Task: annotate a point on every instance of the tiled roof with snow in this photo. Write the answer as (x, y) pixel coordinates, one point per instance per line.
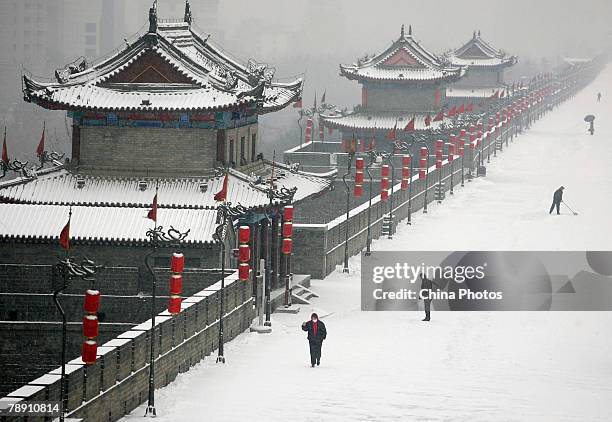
(216, 80)
(473, 92)
(386, 121)
(405, 60)
(101, 224)
(62, 187)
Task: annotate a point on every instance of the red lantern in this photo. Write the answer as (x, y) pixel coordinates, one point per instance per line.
(174, 305)
(244, 234)
(438, 164)
(384, 183)
(92, 301)
(177, 263)
(358, 191)
(424, 152)
(422, 174)
(406, 161)
(359, 164)
(384, 195)
(243, 271)
(287, 246)
(288, 212)
(405, 172)
(461, 151)
(404, 184)
(359, 178)
(176, 284)
(384, 171)
(287, 229)
(462, 134)
(89, 352)
(439, 155)
(423, 163)
(90, 326)
(439, 145)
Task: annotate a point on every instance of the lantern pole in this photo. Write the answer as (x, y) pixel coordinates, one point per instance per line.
(348, 205)
(390, 161)
(228, 215)
(373, 156)
(157, 236)
(69, 270)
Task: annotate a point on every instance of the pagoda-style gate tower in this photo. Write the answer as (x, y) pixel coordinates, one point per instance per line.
(485, 76)
(405, 81)
(169, 102)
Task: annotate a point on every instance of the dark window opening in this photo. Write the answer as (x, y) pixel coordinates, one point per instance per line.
(253, 137)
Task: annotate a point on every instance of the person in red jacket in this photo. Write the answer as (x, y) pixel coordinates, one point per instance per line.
(316, 334)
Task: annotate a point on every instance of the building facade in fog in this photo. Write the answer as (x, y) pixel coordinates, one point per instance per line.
(485, 76)
(404, 85)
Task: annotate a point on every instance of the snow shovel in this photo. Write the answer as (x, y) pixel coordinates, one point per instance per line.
(568, 207)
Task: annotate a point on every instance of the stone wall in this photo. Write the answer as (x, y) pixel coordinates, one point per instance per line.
(118, 382)
(147, 151)
(396, 97)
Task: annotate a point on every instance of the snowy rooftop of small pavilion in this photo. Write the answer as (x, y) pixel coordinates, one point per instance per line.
(478, 52)
(63, 187)
(474, 92)
(405, 60)
(101, 224)
(207, 79)
(386, 121)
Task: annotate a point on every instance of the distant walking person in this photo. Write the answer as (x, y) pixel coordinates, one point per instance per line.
(599, 97)
(316, 334)
(557, 199)
(426, 288)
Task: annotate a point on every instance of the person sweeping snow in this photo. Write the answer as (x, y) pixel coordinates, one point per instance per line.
(557, 199)
(316, 334)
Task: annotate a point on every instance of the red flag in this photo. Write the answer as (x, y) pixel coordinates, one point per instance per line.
(64, 238)
(152, 214)
(5, 158)
(470, 107)
(392, 135)
(41, 145)
(410, 126)
(439, 117)
(452, 111)
(298, 103)
(428, 120)
(222, 194)
(461, 109)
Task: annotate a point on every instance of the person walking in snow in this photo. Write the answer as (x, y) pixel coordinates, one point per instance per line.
(599, 97)
(426, 288)
(316, 334)
(557, 199)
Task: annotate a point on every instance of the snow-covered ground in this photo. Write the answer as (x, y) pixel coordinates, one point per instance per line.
(386, 366)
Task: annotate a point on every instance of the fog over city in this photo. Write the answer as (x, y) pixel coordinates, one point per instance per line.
(303, 38)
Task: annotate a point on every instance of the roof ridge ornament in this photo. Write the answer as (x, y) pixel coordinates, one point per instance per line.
(153, 17)
(188, 15)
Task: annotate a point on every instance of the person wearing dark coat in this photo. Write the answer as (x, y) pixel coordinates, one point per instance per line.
(426, 287)
(557, 199)
(316, 334)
